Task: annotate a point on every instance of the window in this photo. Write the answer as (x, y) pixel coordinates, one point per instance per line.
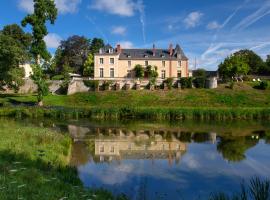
(129, 63)
(112, 149)
(112, 72)
(101, 61)
(179, 74)
(163, 74)
(163, 63)
(111, 60)
(102, 149)
(129, 73)
(146, 63)
(179, 63)
(110, 50)
(101, 72)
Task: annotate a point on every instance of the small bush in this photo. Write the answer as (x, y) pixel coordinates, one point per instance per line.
(199, 82)
(169, 82)
(58, 77)
(231, 85)
(93, 84)
(106, 85)
(186, 82)
(246, 78)
(263, 85)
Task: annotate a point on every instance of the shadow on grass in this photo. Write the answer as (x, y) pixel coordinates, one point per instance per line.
(24, 178)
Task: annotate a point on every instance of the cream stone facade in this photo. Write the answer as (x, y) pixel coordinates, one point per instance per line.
(113, 64)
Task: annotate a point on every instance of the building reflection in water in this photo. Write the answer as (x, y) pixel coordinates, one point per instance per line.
(115, 144)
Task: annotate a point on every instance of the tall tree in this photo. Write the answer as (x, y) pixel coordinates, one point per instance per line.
(96, 44)
(233, 66)
(254, 61)
(44, 10)
(73, 52)
(14, 48)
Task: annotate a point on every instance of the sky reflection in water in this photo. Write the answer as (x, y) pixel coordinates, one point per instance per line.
(168, 164)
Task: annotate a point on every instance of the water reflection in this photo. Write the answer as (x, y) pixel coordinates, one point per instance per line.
(161, 161)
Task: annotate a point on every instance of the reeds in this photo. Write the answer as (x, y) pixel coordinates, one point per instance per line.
(120, 113)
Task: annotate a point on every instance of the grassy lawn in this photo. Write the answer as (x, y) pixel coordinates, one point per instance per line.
(34, 165)
(242, 96)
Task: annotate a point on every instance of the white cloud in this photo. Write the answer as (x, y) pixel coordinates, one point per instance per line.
(119, 30)
(117, 7)
(193, 19)
(126, 44)
(52, 40)
(213, 25)
(26, 5)
(67, 6)
(63, 6)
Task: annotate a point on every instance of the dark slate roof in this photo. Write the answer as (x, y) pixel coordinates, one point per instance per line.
(142, 54)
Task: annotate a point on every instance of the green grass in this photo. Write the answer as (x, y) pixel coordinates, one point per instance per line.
(34, 165)
(243, 102)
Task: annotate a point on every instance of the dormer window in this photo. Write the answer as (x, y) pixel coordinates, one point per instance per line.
(110, 50)
(146, 56)
(129, 56)
(162, 56)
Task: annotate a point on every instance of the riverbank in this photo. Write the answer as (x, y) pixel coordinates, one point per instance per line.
(244, 102)
(34, 165)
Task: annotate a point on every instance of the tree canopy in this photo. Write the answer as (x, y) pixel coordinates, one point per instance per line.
(44, 10)
(254, 61)
(243, 62)
(14, 51)
(233, 66)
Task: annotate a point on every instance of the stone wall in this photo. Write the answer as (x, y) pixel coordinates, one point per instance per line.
(77, 86)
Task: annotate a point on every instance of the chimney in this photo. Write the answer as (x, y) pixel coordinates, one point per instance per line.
(154, 50)
(171, 50)
(119, 50)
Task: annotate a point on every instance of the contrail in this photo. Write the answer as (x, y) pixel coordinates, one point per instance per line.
(97, 28)
(254, 17)
(140, 7)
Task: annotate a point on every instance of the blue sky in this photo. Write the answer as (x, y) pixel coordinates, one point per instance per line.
(208, 30)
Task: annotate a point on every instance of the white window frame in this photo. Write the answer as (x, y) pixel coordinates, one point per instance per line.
(101, 75)
(163, 74)
(101, 63)
(163, 63)
(112, 63)
(179, 63)
(112, 71)
(146, 62)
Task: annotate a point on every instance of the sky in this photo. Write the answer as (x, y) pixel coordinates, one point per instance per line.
(207, 30)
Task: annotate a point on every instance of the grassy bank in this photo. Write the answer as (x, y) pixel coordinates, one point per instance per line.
(244, 102)
(33, 165)
(120, 113)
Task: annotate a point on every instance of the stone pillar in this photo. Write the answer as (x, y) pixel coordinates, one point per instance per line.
(137, 86)
(127, 86)
(117, 86)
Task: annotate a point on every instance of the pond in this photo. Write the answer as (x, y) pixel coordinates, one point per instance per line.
(148, 160)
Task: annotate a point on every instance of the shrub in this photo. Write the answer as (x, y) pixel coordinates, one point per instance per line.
(231, 85)
(199, 82)
(186, 82)
(93, 84)
(263, 85)
(106, 85)
(169, 82)
(58, 77)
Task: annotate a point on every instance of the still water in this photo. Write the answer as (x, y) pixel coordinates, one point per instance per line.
(169, 161)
